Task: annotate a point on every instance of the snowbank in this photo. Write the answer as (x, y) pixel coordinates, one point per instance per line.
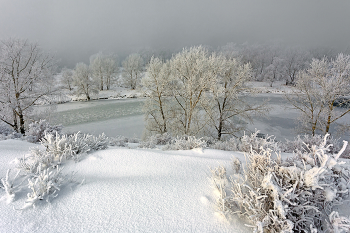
(125, 190)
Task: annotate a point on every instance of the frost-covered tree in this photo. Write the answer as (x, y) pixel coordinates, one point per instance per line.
(274, 71)
(333, 80)
(225, 105)
(132, 70)
(67, 78)
(111, 69)
(318, 89)
(260, 56)
(96, 67)
(304, 99)
(155, 87)
(192, 73)
(84, 82)
(26, 75)
(104, 69)
(295, 60)
(230, 50)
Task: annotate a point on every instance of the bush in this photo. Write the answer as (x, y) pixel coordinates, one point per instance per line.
(257, 142)
(154, 140)
(6, 129)
(38, 129)
(42, 167)
(10, 186)
(292, 196)
(185, 143)
(118, 141)
(6, 132)
(100, 142)
(231, 145)
(44, 185)
(302, 143)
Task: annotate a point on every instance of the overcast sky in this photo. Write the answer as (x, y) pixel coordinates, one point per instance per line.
(76, 29)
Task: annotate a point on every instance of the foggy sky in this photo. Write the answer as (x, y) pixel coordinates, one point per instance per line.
(76, 29)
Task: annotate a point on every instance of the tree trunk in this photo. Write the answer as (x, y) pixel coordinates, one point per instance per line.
(15, 123)
(108, 83)
(21, 122)
(162, 112)
(220, 129)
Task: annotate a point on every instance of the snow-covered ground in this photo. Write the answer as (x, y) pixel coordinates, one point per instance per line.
(278, 87)
(125, 190)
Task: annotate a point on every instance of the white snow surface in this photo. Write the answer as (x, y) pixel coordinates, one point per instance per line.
(125, 190)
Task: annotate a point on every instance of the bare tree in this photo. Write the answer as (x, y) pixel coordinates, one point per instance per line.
(26, 75)
(132, 70)
(84, 82)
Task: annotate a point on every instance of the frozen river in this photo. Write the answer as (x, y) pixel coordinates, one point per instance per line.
(112, 117)
(125, 117)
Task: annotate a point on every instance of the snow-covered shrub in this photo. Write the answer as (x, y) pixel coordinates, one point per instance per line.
(133, 140)
(44, 185)
(40, 158)
(63, 147)
(220, 184)
(6, 132)
(42, 167)
(6, 129)
(118, 141)
(154, 140)
(38, 129)
(230, 145)
(100, 142)
(287, 196)
(185, 143)
(256, 142)
(236, 165)
(301, 143)
(60, 148)
(338, 223)
(10, 186)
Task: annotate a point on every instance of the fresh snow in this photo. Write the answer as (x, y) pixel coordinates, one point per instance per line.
(125, 190)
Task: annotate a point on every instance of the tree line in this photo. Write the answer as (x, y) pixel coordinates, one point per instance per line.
(196, 91)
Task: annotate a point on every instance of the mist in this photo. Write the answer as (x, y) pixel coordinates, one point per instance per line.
(74, 30)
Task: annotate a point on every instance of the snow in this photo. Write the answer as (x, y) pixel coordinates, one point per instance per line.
(278, 87)
(116, 93)
(125, 190)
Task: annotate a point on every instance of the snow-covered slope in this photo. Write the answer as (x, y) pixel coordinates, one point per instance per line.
(125, 190)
